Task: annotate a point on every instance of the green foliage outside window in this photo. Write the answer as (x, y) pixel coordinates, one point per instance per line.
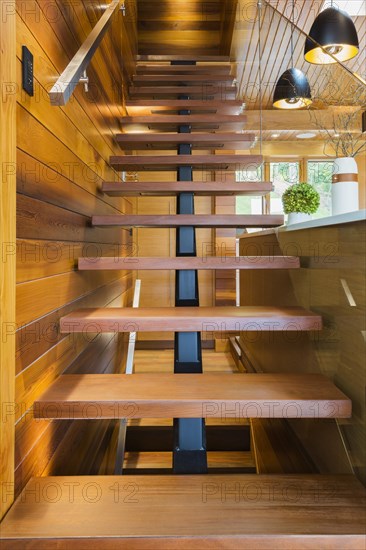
(320, 177)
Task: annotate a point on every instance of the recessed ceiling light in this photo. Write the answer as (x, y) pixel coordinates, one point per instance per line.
(355, 8)
(275, 135)
(306, 135)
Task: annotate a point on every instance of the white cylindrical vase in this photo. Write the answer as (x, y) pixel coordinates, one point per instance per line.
(298, 217)
(344, 186)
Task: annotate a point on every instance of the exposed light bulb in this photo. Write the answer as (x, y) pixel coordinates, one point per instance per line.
(334, 49)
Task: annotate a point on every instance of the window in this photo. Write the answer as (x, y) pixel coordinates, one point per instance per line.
(249, 204)
(282, 175)
(320, 177)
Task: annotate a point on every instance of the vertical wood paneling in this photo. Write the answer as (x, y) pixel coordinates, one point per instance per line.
(7, 247)
(62, 159)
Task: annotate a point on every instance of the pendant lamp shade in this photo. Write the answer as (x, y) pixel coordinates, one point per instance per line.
(334, 30)
(292, 90)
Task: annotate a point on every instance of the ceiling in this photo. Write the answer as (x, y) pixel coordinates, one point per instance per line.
(207, 27)
(331, 84)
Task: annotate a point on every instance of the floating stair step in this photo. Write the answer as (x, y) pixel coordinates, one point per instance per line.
(196, 58)
(186, 79)
(190, 319)
(163, 460)
(182, 69)
(190, 220)
(216, 262)
(171, 141)
(156, 106)
(188, 512)
(196, 122)
(172, 162)
(212, 422)
(204, 92)
(141, 188)
(281, 395)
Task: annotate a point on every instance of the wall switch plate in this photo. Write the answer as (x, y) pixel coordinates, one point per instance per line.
(28, 78)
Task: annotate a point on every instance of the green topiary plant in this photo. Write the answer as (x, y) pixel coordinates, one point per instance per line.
(301, 197)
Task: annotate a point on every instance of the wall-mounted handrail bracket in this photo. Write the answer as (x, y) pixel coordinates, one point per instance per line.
(74, 72)
(85, 80)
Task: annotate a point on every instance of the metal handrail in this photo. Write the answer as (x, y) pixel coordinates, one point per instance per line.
(118, 467)
(75, 71)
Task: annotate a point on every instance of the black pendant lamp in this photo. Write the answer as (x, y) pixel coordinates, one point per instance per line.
(292, 89)
(333, 32)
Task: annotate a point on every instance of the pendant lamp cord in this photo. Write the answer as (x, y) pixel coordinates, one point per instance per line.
(292, 33)
(260, 78)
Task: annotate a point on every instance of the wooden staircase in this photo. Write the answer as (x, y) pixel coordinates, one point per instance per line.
(171, 141)
(188, 319)
(192, 396)
(188, 511)
(188, 220)
(172, 106)
(212, 188)
(205, 262)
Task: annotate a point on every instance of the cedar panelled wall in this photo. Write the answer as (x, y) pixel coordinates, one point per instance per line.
(62, 159)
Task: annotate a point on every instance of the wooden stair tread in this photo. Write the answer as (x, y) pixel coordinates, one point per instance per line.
(170, 163)
(171, 141)
(182, 69)
(155, 106)
(195, 92)
(215, 262)
(193, 120)
(169, 422)
(190, 220)
(164, 395)
(163, 460)
(134, 189)
(198, 511)
(165, 79)
(195, 58)
(188, 319)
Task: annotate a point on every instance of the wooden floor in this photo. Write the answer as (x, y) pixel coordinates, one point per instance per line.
(191, 512)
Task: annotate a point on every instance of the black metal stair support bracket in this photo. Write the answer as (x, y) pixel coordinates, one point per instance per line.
(189, 454)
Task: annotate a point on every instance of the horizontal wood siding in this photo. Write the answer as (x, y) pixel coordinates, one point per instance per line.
(62, 160)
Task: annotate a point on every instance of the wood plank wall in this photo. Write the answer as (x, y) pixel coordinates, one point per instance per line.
(7, 247)
(62, 159)
(192, 27)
